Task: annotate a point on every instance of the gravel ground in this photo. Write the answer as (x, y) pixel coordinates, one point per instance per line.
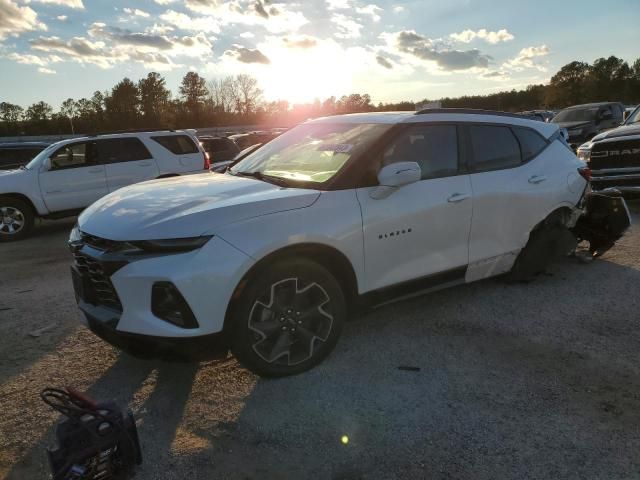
(537, 380)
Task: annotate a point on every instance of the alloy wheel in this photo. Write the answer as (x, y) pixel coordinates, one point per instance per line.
(11, 220)
(290, 321)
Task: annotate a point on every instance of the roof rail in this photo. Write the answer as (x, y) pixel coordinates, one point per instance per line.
(475, 111)
(133, 130)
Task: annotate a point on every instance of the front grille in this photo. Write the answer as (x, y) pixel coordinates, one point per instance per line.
(615, 154)
(98, 276)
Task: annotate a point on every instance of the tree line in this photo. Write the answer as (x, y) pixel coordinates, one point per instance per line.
(233, 100)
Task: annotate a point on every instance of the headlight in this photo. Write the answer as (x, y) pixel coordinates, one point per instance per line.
(172, 244)
(584, 154)
(75, 235)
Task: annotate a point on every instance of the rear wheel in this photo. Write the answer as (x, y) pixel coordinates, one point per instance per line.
(288, 319)
(16, 219)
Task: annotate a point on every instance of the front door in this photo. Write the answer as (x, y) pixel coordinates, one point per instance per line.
(421, 229)
(75, 180)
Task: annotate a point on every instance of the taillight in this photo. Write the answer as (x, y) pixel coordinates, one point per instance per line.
(207, 163)
(585, 172)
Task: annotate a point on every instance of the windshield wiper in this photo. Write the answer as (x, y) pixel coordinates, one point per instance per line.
(265, 178)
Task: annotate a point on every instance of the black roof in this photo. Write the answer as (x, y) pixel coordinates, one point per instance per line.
(24, 144)
(595, 104)
(472, 111)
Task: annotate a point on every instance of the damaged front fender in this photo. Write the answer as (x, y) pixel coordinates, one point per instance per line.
(604, 220)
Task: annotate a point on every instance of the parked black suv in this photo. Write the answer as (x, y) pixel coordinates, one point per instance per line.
(15, 154)
(583, 122)
(220, 149)
(614, 157)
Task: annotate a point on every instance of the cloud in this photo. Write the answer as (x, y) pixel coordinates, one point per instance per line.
(371, 10)
(347, 27)
(15, 19)
(527, 58)
(302, 41)
(278, 18)
(413, 44)
(247, 35)
(165, 2)
(496, 75)
(466, 36)
(136, 12)
(62, 18)
(185, 22)
(47, 71)
(63, 3)
(247, 55)
(384, 62)
(398, 9)
(338, 4)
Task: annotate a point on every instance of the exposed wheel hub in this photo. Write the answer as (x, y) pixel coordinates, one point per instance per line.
(290, 321)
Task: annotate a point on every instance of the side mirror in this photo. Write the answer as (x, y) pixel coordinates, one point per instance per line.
(46, 165)
(606, 115)
(394, 176)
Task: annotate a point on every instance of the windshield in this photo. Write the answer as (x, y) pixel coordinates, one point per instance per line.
(311, 152)
(576, 115)
(43, 154)
(634, 117)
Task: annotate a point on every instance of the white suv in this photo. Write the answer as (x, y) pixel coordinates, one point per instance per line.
(72, 174)
(269, 258)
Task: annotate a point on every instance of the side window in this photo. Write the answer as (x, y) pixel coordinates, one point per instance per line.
(178, 144)
(433, 147)
(493, 148)
(71, 156)
(116, 150)
(531, 143)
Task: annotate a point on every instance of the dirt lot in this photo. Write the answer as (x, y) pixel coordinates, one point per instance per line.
(516, 381)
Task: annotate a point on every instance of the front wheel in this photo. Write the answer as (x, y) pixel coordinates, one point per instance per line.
(288, 319)
(16, 219)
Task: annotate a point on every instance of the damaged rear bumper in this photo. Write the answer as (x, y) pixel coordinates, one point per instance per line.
(604, 220)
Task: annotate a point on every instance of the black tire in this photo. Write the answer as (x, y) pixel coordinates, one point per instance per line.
(16, 219)
(288, 318)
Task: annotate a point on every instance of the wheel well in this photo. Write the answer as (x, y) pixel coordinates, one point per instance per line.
(328, 257)
(24, 198)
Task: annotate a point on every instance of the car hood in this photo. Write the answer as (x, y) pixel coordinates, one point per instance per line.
(189, 206)
(569, 125)
(623, 131)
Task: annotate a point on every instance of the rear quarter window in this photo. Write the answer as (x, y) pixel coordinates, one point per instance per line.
(177, 144)
(531, 143)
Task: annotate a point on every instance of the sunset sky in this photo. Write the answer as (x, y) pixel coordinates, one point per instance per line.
(54, 49)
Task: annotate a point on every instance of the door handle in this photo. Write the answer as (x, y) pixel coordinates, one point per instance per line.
(458, 197)
(96, 170)
(537, 179)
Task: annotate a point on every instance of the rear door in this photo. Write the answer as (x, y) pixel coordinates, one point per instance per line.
(126, 161)
(75, 179)
(179, 154)
(512, 189)
(421, 229)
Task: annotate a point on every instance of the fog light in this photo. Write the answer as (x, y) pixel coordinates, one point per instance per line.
(168, 304)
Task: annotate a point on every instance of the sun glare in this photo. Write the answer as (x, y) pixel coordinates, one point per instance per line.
(302, 75)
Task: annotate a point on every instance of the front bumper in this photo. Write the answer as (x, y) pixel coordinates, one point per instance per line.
(114, 292)
(625, 180)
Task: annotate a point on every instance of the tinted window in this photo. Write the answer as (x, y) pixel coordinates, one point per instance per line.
(493, 147)
(434, 148)
(116, 150)
(178, 144)
(217, 144)
(71, 156)
(10, 157)
(531, 143)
